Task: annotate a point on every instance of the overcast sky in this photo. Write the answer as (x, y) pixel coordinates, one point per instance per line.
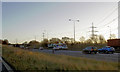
(25, 20)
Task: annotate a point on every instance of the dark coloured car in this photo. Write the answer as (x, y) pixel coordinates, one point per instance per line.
(106, 49)
(90, 50)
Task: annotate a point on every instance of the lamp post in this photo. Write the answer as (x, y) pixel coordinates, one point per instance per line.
(74, 26)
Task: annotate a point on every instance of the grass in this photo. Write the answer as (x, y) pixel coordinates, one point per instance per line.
(26, 60)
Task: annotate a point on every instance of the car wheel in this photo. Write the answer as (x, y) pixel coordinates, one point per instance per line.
(107, 52)
(104, 51)
(99, 52)
(89, 52)
(111, 52)
(95, 52)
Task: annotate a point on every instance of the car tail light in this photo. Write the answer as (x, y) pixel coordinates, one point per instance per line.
(91, 49)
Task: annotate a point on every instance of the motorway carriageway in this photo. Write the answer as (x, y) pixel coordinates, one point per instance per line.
(100, 57)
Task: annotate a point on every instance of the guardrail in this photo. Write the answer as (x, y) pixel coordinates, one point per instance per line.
(9, 69)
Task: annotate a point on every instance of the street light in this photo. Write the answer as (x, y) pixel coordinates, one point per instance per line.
(74, 26)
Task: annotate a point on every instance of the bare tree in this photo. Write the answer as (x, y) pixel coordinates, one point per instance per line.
(55, 40)
(82, 39)
(101, 39)
(33, 42)
(66, 39)
(88, 41)
(44, 43)
(5, 42)
(113, 36)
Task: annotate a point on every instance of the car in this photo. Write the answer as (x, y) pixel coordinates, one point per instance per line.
(107, 50)
(56, 47)
(60, 46)
(41, 48)
(51, 45)
(63, 47)
(90, 50)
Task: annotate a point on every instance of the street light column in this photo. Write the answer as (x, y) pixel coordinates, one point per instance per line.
(74, 26)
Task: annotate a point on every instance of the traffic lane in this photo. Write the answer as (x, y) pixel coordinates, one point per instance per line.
(68, 51)
(103, 57)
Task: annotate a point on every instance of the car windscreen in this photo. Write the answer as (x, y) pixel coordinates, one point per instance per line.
(111, 48)
(90, 48)
(64, 45)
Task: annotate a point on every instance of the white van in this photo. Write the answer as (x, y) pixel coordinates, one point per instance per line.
(60, 46)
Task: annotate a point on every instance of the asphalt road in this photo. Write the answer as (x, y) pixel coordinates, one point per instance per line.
(101, 57)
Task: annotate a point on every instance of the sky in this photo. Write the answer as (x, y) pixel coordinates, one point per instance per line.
(26, 21)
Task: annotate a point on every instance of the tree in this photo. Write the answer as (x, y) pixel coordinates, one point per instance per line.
(88, 41)
(66, 39)
(71, 40)
(55, 40)
(101, 39)
(44, 43)
(5, 41)
(113, 36)
(25, 42)
(33, 42)
(82, 39)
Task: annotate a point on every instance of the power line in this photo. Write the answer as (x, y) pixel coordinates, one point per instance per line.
(108, 15)
(108, 23)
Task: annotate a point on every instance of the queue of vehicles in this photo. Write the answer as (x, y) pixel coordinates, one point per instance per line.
(112, 46)
(92, 49)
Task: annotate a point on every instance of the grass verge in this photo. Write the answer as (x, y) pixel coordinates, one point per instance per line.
(26, 60)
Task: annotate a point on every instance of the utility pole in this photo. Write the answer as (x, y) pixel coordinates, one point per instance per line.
(93, 31)
(74, 26)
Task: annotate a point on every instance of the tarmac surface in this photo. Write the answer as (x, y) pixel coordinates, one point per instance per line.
(101, 57)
